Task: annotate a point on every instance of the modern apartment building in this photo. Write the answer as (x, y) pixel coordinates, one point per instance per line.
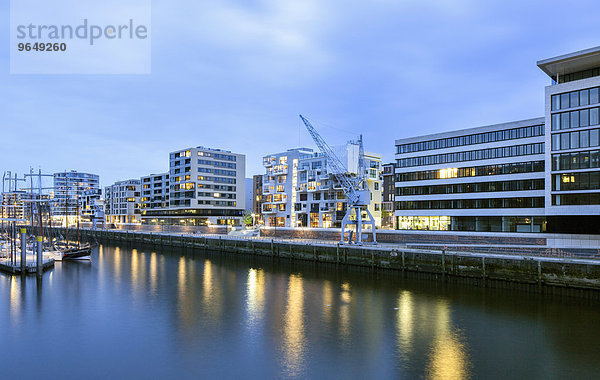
(206, 187)
(298, 190)
(537, 175)
(388, 206)
(91, 205)
(13, 205)
(69, 188)
(155, 192)
(257, 198)
(122, 202)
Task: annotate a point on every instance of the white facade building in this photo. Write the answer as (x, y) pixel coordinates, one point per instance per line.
(122, 202)
(537, 175)
(205, 187)
(298, 190)
(92, 205)
(480, 179)
(69, 188)
(572, 118)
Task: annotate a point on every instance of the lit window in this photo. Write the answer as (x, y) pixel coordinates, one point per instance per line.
(448, 173)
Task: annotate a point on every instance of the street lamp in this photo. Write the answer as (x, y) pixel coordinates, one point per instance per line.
(253, 219)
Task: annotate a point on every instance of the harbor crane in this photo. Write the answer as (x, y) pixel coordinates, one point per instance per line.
(355, 187)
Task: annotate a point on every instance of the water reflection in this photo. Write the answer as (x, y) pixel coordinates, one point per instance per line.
(153, 273)
(184, 301)
(448, 358)
(117, 265)
(344, 312)
(15, 300)
(264, 319)
(293, 329)
(135, 268)
(211, 294)
(327, 301)
(255, 289)
(404, 323)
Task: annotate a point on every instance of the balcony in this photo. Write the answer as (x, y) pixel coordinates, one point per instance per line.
(268, 210)
(268, 161)
(279, 170)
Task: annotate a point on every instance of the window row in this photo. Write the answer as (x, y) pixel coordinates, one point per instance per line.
(188, 153)
(476, 171)
(575, 140)
(521, 202)
(575, 119)
(477, 187)
(216, 179)
(479, 138)
(473, 223)
(576, 199)
(594, 72)
(575, 99)
(217, 163)
(217, 171)
(216, 195)
(472, 155)
(576, 181)
(578, 160)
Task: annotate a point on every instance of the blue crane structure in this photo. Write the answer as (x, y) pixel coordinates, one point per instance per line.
(355, 187)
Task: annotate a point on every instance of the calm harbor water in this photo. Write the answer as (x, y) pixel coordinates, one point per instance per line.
(172, 314)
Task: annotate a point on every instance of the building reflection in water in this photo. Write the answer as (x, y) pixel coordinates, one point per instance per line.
(447, 358)
(327, 301)
(344, 310)
(294, 339)
(117, 264)
(211, 293)
(255, 298)
(135, 280)
(15, 301)
(153, 273)
(184, 303)
(405, 322)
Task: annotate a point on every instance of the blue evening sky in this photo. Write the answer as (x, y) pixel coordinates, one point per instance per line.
(236, 74)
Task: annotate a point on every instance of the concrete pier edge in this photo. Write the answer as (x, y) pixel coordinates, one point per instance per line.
(547, 275)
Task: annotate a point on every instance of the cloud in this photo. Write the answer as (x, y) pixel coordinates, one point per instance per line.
(235, 75)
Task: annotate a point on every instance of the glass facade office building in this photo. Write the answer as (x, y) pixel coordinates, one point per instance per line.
(537, 175)
(481, 179)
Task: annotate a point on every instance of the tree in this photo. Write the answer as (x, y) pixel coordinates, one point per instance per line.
(247, 219)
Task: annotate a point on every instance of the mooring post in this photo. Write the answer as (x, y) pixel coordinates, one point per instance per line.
(40, 259)
(337, 252)
(23, 250)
